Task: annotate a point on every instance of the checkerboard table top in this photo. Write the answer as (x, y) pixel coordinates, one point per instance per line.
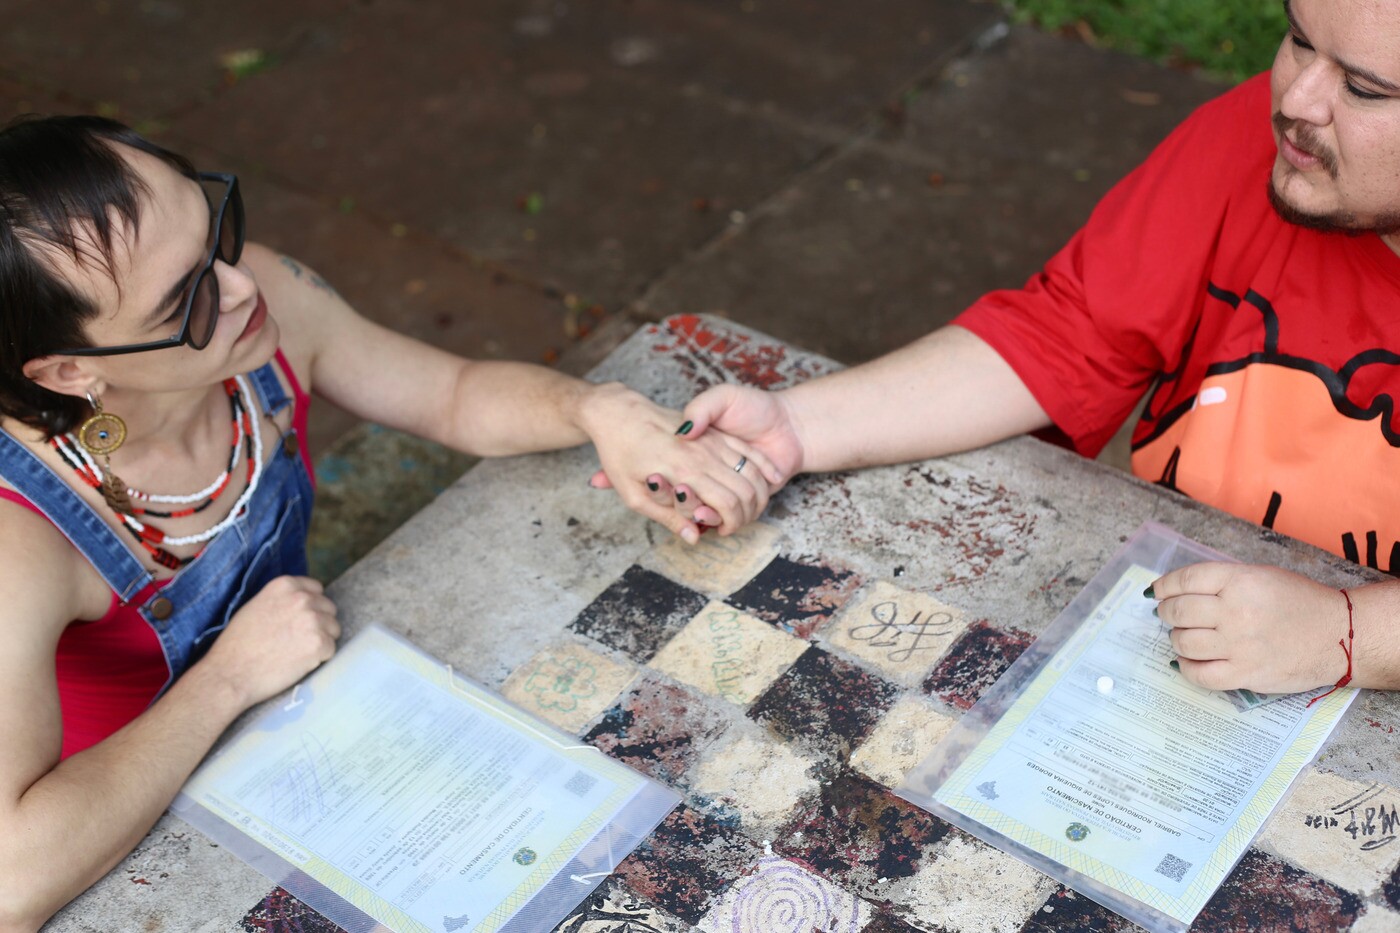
(785, 679)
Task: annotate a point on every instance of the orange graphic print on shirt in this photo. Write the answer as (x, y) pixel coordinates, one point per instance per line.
(1300, 447)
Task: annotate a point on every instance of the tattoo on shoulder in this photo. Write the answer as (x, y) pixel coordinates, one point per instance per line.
(306, 275)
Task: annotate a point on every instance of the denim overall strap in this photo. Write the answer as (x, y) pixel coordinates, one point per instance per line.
(266, 541)
(269, 388)
(72, 515)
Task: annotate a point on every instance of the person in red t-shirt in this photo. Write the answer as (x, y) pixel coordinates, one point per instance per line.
(1246, 279)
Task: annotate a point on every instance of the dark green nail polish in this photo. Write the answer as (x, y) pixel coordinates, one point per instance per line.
(653, 486)
(1148, 594)
(1156, 613)
(680, 497)
(1176, 665)
(685, 428)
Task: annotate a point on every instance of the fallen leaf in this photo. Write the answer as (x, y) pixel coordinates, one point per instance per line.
(244, 62)
(1141, 98)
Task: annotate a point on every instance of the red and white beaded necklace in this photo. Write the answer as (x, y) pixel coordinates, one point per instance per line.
(245, 428)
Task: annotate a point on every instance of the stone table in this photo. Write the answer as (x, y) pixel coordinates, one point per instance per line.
(731, 672)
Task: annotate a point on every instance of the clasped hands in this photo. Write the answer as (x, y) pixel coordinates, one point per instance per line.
(714, 465)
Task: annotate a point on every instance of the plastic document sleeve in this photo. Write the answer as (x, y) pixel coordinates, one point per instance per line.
(390, 794)
(1094, 761)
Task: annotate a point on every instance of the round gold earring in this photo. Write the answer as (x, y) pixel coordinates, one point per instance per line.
(102, 433)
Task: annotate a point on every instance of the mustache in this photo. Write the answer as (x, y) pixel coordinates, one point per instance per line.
(1306, 138)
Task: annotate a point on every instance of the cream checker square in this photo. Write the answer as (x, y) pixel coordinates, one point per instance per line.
(728, 653)
(568, 685)
(905, 736)
(1325, 824)
(715, 565)
(902, 633)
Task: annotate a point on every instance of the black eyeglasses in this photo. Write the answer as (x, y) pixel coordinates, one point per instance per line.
(202, 298)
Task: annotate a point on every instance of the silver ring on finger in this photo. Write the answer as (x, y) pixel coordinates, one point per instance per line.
(739, 467)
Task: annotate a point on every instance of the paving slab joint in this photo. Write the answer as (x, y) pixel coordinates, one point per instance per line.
(837, 146)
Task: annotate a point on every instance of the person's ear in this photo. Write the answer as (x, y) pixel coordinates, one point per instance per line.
(65, 375)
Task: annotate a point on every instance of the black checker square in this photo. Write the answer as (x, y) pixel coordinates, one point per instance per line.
(825, 703)
(638, 613)
(797, 595)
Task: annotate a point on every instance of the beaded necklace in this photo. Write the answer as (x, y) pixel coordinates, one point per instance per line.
(151, 538)
(87, 467)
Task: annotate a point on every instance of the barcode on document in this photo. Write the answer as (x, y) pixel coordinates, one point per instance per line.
(581, 783)
(1173, 867)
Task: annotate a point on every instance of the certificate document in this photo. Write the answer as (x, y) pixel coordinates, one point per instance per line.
(420, 800)
(1114, 774)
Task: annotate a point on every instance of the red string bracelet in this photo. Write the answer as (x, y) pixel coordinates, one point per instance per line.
(1346, 649)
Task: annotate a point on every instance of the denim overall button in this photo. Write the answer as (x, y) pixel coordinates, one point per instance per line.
(161, 608)
(289, 444)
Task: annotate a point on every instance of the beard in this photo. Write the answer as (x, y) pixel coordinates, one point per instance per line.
(1386, 224)
(1348, 222)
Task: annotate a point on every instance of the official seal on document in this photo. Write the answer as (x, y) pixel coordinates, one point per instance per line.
(527, 856)
(1076, 832)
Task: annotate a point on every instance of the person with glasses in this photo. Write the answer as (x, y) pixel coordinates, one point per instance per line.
(154, 371)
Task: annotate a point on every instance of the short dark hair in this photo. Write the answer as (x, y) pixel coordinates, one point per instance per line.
(58, 175)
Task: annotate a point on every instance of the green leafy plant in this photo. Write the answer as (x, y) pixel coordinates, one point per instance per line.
(1230, 38)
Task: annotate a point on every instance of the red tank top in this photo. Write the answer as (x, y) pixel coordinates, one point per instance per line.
(111, 669)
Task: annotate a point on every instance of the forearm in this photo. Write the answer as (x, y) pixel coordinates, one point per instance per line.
(500, 409)
(503, 408)
(487, 408)
(80, 819)
(944, 393)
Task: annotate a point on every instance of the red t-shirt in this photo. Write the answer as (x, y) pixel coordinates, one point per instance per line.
(1269, 349)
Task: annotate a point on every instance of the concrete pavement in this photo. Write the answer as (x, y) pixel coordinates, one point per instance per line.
(504, 177)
